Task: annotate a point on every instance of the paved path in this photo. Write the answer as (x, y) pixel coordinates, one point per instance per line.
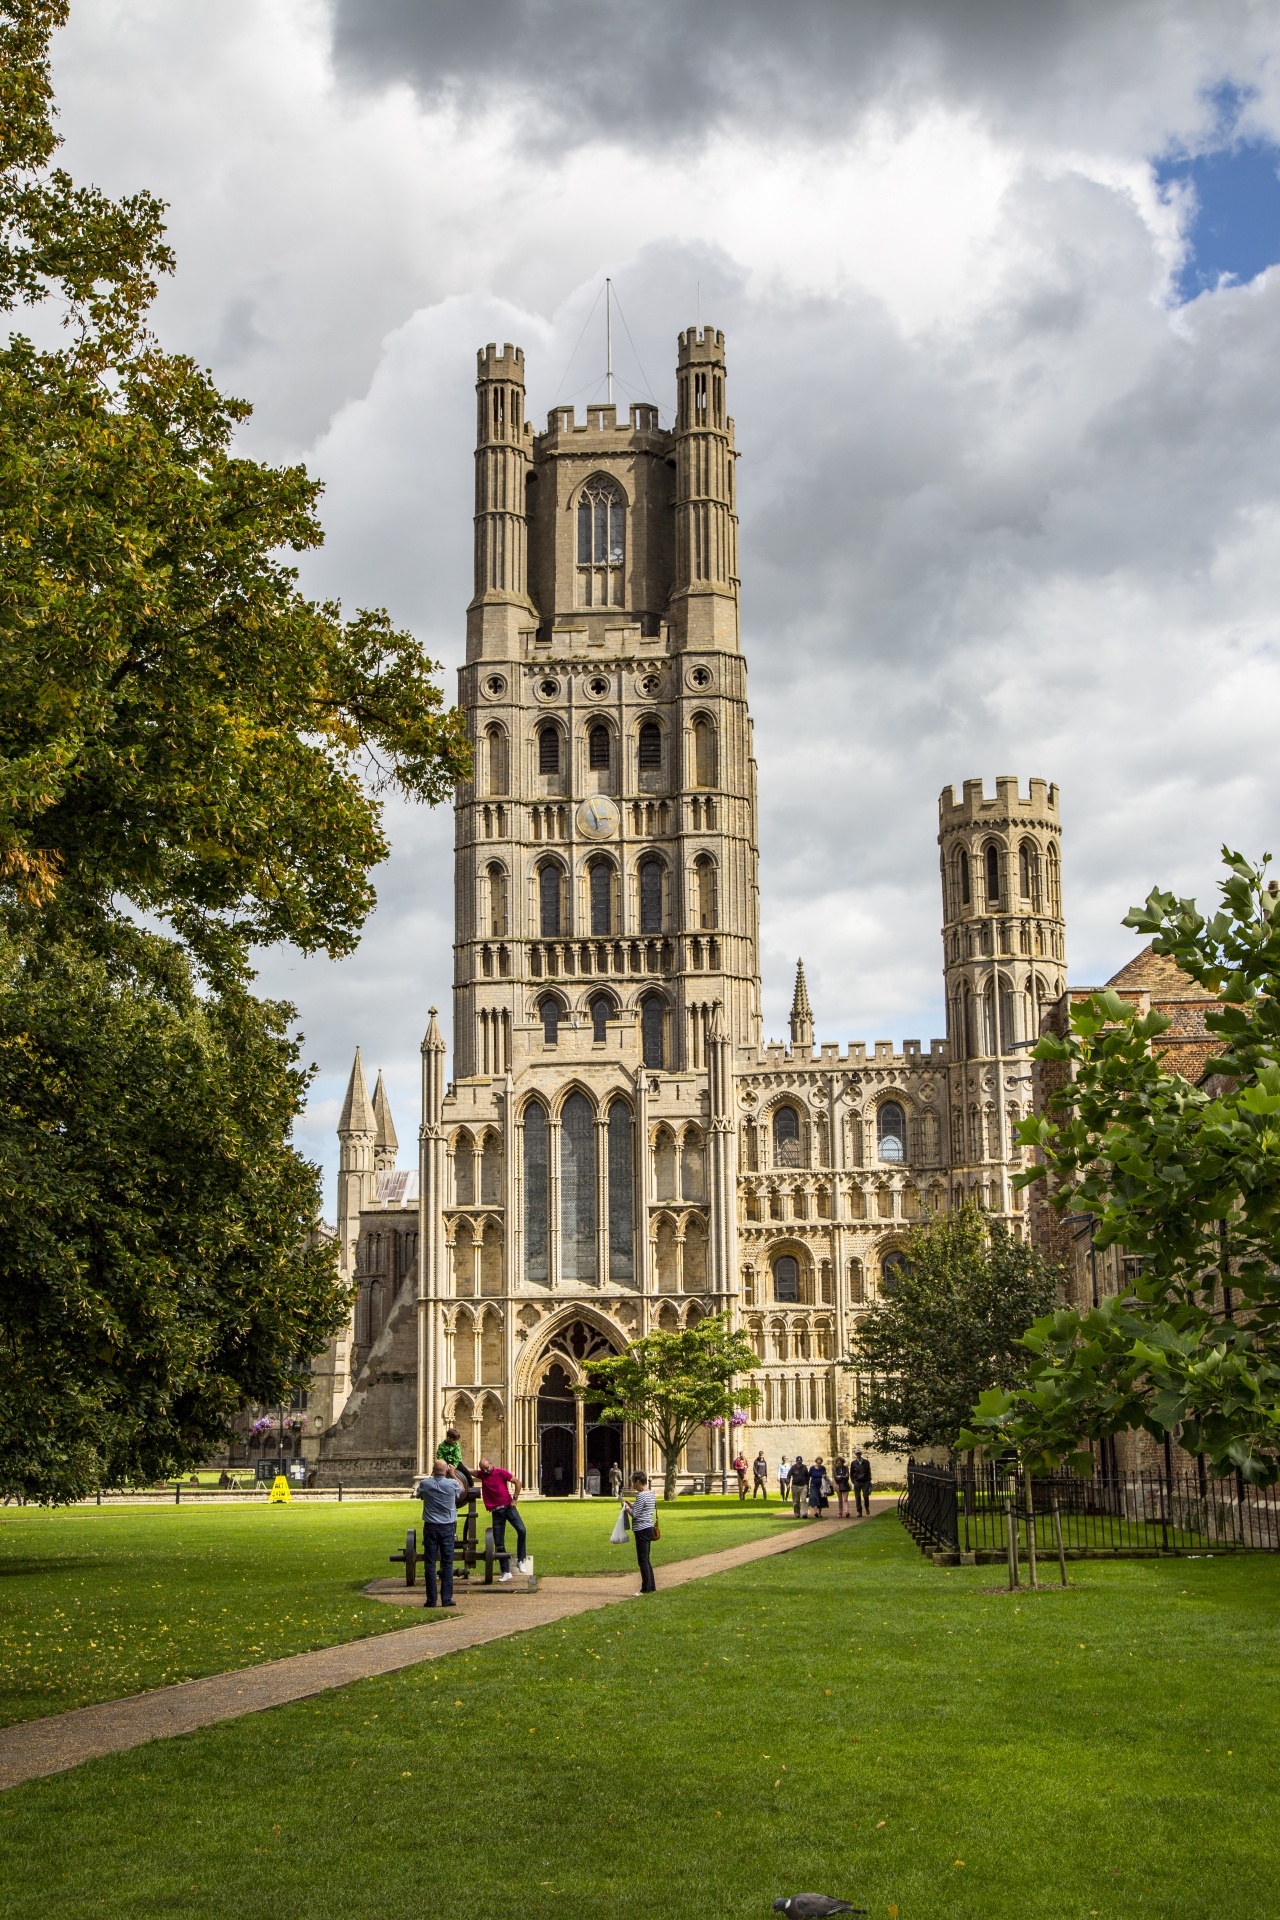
(65, 1740)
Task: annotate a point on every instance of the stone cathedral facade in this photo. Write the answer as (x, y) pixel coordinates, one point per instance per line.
(618, 1148)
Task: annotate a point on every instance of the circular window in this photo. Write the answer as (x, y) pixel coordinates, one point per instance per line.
(651, 684)
(548, 689)
(598, 687)
(701, 677)
(495, 686)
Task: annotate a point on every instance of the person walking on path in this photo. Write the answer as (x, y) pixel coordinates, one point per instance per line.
(450, 1451)
(760, 1476)
(643, 1508)
(818, 1484)
(799, 1478)
(784, 1477)
(615, 1481)
(861, 1474)
(740, 1468)
(842, 1482)
(501, 1490)
(439, 1493)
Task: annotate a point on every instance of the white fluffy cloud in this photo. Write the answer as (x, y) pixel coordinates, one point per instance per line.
(1004, 507)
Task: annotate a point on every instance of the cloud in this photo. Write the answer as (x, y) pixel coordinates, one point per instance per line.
(1006, 505)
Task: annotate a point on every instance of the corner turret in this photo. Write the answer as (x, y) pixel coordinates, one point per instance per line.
(801, 1015)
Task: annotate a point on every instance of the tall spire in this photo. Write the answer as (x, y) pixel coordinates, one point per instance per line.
(801, 1013)
(385, 1146)
(357, 1111)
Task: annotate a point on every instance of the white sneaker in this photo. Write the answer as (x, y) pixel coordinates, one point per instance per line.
(524, 1566)
(503, 1577)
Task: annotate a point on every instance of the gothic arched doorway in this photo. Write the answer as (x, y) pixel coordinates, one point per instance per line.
(575, 1448)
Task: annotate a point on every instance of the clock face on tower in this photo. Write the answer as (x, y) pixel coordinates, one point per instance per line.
(597, 819)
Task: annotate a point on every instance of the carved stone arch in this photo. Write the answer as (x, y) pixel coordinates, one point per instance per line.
(890, 1250)
(662, 1143)
(548, 1345)
(599, 478)
(791, 1247)
(561, 1099)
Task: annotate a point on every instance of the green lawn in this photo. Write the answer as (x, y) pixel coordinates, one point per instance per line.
(96, 1602)
(845, 1718)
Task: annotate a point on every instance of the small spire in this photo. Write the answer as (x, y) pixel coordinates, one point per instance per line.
(357, 1112)
(385, 1144)
(801, 1012)
(717, 1029)
(433, 1039)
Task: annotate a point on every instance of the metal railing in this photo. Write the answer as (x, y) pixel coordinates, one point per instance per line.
(970, 1509)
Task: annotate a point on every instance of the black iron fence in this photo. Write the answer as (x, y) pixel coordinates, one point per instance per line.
(984, 1508)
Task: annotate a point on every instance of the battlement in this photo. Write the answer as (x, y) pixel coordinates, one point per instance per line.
(507, 365)
(700, 346)
(884, 1054)
(976, 810)
(602, 419)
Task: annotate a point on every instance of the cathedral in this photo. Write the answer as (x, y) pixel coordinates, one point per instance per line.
(618, 1147)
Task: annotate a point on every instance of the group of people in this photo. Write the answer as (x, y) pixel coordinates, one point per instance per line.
(440, 1491)
(810, 1488)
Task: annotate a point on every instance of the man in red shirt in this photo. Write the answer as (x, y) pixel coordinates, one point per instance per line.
(501, 1491)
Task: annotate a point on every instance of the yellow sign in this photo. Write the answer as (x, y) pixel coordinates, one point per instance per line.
(279, 1490)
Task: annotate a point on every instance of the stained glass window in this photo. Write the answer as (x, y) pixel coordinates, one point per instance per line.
(621, 1192)
(577, 1190)
(535, 1193)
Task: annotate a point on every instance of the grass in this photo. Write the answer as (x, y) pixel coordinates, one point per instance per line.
(846, 1718)
(98, 1602)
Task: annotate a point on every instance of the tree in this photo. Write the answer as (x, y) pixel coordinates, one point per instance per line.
(949, 1329)
(185, 741)
(670, 1384)
(180, 728)
(1188, 1178)
(158, 1268)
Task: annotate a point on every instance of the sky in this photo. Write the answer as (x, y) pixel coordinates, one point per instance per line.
(1001, 300)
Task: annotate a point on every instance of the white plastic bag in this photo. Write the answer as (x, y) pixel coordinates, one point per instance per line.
(618, 1537)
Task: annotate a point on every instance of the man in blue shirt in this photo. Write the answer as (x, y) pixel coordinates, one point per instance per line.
(439, 1493)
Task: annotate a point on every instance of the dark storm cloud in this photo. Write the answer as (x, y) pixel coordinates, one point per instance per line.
(669, 69)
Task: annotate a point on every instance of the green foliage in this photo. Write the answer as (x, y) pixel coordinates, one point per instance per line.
(671, 1383)
(158, 1268)
(180, 727)
(949, 1330)
(1188, 1177)
(184, 737)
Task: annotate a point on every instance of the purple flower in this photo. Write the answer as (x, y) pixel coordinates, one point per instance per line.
(738, 1418)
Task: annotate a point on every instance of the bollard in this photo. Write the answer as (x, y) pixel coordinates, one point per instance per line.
(177, 1493)
(339, 1493)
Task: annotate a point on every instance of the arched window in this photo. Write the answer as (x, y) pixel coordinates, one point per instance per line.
(549, 1014)
(650, 748)
(1055, 883)
(495, 742)
(621, 1192)
(653, 1031)
(601, 543)
(966, 893)
(549, 891)
(598, 749)
(1029, 873)
(577, 1189)
(892, 1268)
(464, 1171)
(786, 1137)
(891, 1131)
(786, 1278)
(601, 1012)
(704, 875)
(549, 749)
(600, 876)
(704, 752)
(651, 896)
(536, 1184)
(993, 875)
(497, 901)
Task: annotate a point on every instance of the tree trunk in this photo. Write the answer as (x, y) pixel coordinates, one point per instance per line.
(671, 1459)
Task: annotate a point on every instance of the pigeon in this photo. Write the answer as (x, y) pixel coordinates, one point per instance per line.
(813, 1906)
